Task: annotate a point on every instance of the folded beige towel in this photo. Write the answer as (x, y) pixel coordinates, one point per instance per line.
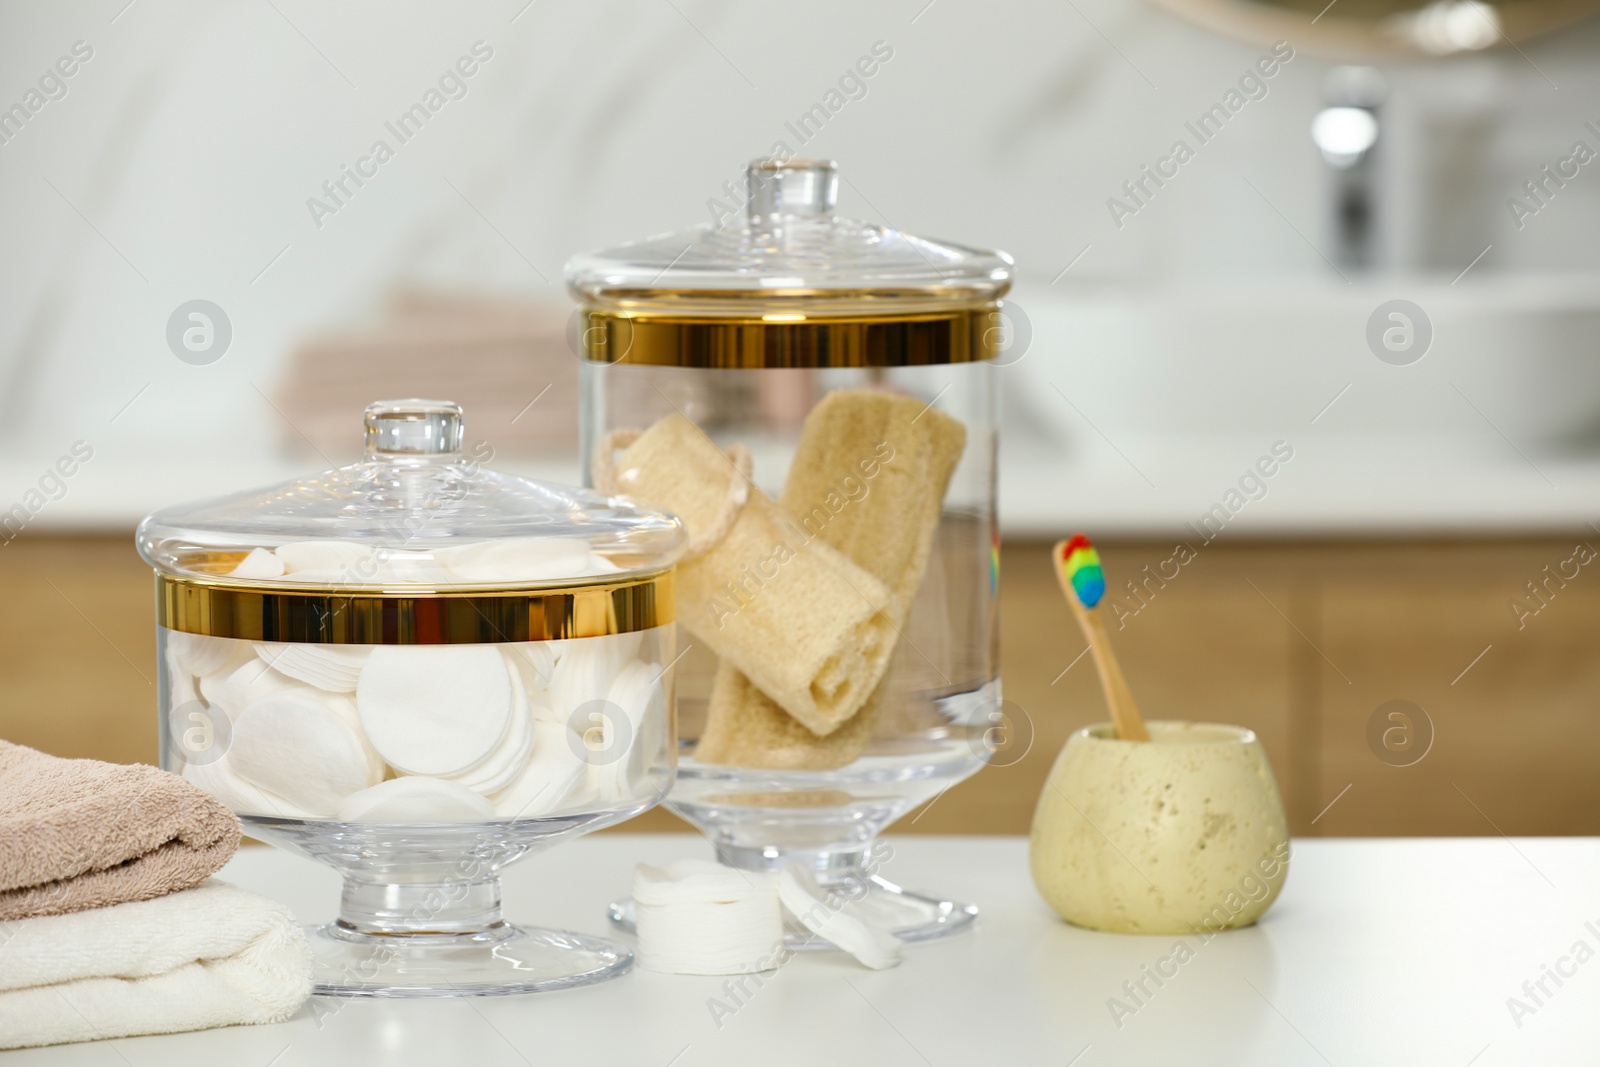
(869, 478)
(210, 956)
(77, 833)
(802, 622)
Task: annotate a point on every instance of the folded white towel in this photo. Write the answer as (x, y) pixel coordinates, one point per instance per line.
(209, 956)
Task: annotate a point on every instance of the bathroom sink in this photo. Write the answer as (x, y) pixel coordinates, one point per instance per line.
(1514, 363)
(1144, 412)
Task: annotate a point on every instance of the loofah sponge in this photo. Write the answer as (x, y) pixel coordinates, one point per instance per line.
(808, 627)
(869, 479)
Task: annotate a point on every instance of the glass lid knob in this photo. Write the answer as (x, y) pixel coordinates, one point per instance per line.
(795, 188)
(413, 428)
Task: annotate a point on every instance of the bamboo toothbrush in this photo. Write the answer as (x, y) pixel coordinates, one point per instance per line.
(1084, 583)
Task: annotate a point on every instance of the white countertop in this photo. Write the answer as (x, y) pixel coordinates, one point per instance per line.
(1384, 489)
(1379, 952)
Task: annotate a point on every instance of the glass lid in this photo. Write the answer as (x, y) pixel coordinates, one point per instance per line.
(415, 512)
(787, 243)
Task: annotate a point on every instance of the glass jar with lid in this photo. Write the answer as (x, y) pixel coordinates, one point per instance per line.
(814, 397)
(418, 670)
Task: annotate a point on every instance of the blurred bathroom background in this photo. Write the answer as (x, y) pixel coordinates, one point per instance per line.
(1406, 305)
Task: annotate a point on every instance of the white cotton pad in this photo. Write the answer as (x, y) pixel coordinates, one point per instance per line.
(435, 709)
(414, 570)
(218, 779)
(514, 559)
(810, 905)
(638, 699)
(252, 680)
(344, 706)
(694, 880)
(543, 655)
(200, 655)
(507, 762)
(699, 917)
(333, 579)
(414, 800)
(548, 779)
(586, 670)
(258, 564)
(504, 764)
(535, 663)
(180, 682)
(302, 746)
(240, 654)
(333, 668)
(348, 558)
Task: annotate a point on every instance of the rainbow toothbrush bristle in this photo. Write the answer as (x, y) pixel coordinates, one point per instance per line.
(1081, 564)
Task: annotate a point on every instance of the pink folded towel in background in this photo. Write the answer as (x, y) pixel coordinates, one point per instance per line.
(77, 834)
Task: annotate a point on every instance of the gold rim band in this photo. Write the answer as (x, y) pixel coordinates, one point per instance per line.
(959, 335)
(194, 606)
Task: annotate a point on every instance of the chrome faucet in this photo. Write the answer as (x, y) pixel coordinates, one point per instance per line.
(1346, 132)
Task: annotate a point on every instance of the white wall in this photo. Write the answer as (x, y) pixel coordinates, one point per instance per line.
(189, 144)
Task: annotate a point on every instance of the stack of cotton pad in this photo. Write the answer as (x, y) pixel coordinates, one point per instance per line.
(421, 733)
(346, 563)
(286, 747)
(699, 917)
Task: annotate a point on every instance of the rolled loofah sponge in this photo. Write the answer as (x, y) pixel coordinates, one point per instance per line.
(869, 479)
(745, 729)
(808, 627)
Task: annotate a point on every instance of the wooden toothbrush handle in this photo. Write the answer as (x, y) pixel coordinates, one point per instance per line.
(1125, 717)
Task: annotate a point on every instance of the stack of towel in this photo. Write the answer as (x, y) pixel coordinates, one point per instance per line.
(110, 923)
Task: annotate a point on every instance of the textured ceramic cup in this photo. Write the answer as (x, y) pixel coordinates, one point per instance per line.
(1182, 833)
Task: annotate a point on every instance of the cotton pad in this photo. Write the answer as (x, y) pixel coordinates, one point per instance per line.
(515, 559)
(803, 898)
(234, 690)
(414, 800)
(258, 564)
(414, 570)
(586, 670)
(548, 779)
(635, 697)
(694, 880)
(535, 663)
(699, 917)
(304, 747)
(218, 779)
(329, 577)
(199, 655)
(182, 683)
(348, 558)
(333, 669)
(435, 709)
(505, 763)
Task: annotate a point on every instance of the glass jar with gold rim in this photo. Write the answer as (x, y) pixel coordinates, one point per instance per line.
(814, 397)
(418, 670)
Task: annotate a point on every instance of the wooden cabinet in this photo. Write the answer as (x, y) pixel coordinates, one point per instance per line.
(1302, 643)
(1306, 643)
(78, 648)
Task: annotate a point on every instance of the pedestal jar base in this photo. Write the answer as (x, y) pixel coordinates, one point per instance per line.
(420, 914)
(503, 960)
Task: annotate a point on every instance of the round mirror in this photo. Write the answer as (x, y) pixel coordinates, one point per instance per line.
(1381, 29)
